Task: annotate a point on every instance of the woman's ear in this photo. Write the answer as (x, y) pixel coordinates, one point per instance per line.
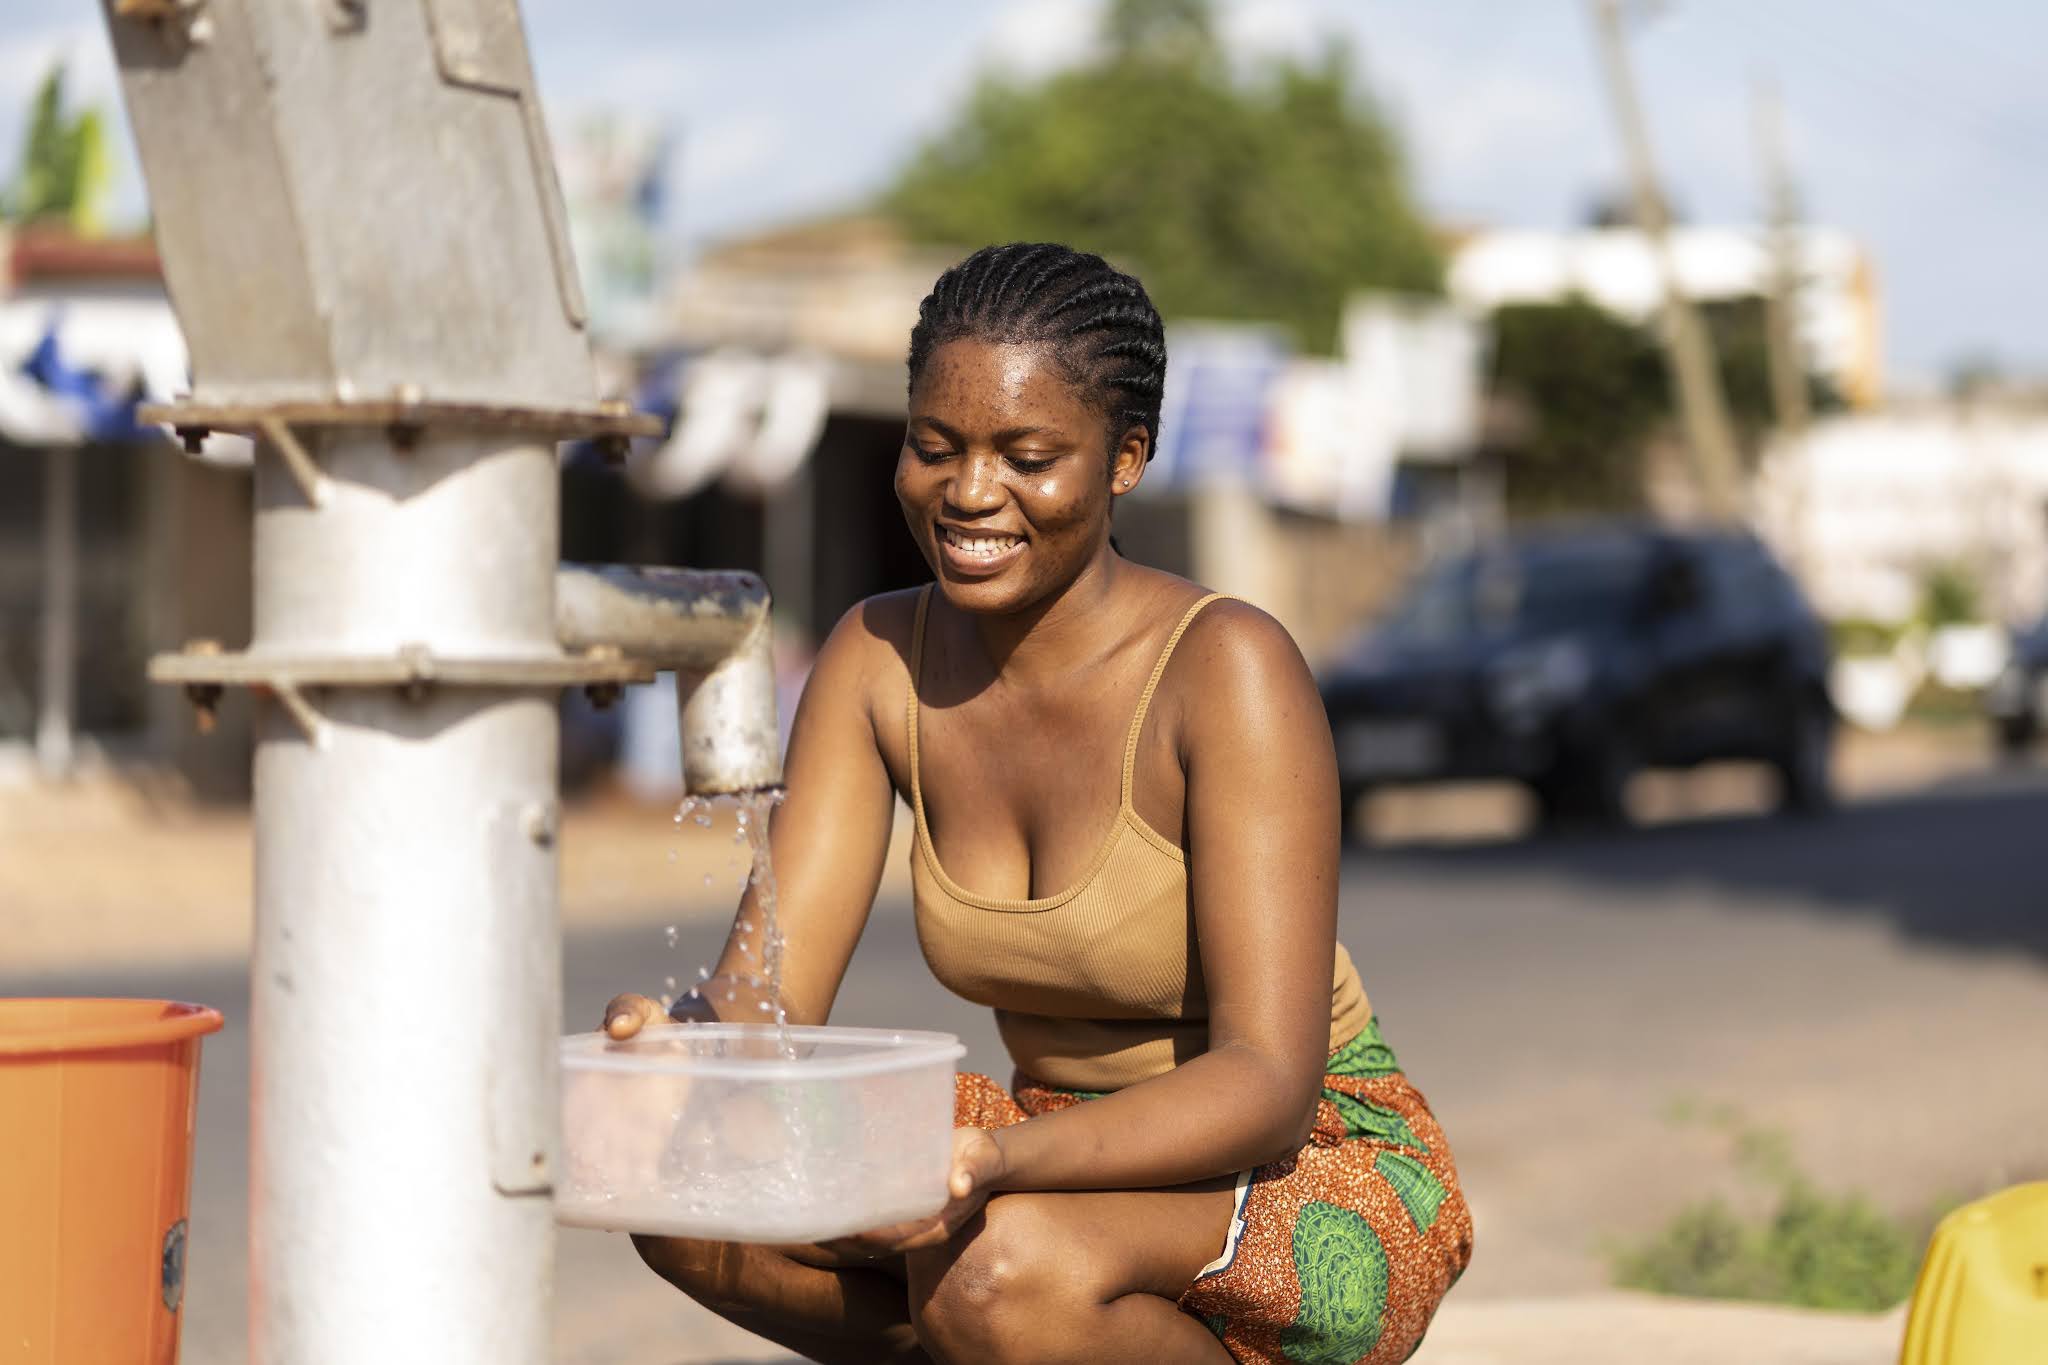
(1127, 465)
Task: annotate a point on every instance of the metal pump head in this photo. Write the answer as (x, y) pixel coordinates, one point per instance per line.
(712, 628)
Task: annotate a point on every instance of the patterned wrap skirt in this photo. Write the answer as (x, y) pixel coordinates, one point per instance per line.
(1337, 1255)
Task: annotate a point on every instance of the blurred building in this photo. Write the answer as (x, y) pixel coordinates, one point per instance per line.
(613, 169)
(1839, 320)
(112, 546)
(1868, 507)
(1295, 481)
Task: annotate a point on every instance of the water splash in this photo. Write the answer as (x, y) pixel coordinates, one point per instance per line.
(755, 934)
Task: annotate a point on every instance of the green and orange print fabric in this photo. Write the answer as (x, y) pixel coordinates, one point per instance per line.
(1342, 1252)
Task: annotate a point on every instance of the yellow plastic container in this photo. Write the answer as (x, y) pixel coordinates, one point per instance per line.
(1982, 1298)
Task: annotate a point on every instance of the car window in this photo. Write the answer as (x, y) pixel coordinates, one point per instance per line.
(1527, 589)
(1744, 584)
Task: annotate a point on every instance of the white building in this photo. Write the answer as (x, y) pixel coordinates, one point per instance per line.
(1838, 314)
(1867, 507)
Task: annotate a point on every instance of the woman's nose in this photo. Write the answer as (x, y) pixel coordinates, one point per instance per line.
(977, 486)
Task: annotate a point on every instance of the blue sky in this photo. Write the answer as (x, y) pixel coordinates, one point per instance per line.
(1917, 127)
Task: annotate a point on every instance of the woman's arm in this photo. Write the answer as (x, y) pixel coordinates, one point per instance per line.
(1263, 834)
(830, 836)
(829, 839)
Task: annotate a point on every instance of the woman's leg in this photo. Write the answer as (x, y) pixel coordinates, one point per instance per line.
(819, 1305)
(1092, 1278)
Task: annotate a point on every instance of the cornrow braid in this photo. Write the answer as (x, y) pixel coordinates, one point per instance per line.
(1097, 321)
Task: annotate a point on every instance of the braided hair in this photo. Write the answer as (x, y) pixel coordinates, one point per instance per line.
(1097, 322)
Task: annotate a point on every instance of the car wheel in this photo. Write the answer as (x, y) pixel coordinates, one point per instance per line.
(1350, 818)
(2016, 734)
(1588, 787)
(1805, 763)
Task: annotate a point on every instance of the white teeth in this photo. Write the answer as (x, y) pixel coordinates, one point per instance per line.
(989, 546)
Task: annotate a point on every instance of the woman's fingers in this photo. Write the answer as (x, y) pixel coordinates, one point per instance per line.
(627, 1014)
(977, 1162)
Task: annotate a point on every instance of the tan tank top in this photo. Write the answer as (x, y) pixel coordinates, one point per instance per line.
(1100, 986)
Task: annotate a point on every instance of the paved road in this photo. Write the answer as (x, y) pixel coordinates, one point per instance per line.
(1871, 985)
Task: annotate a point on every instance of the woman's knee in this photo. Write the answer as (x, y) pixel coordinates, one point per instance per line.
(1005, 1289)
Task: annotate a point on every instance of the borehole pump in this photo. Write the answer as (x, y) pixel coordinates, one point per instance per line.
(366, 248)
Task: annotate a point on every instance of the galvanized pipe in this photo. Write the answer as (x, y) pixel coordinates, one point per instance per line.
(57, 668)
(714, 630)
(406, 976)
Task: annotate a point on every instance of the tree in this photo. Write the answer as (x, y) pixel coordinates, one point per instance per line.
(1590, 389)
(63, 174)
(1266, 195)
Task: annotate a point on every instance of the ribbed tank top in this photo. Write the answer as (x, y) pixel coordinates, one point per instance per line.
(1100, 986)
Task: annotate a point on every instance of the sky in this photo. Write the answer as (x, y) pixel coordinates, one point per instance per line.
(1908, 124)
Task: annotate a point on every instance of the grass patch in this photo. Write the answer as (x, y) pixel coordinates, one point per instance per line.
(1813, 1249)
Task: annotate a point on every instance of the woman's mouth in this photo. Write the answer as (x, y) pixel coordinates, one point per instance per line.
(978, 552)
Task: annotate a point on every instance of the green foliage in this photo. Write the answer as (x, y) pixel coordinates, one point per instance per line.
(63, 175)
(1591, 389)
(1949, 597)
(1262, 196)
(1863, 637)
(1814, 1249)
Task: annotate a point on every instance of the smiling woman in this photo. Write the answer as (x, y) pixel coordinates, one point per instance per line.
(1209, 1152)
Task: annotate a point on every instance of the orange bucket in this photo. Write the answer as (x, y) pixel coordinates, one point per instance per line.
(96, 1101)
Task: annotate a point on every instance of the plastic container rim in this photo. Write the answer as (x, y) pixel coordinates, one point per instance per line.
(888, 1050)
(177, 1022)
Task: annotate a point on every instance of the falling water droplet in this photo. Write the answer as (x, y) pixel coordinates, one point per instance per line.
(669, 982)
(703, 973)
(671, 934)
(668, 1000)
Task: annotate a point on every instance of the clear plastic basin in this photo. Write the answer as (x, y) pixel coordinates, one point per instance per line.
(709, 1130)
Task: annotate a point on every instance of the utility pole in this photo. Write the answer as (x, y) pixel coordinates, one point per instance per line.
(1788, 370)
(1689, 352)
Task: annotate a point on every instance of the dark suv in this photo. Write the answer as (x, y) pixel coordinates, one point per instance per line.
(2018, 698)
(1569, 660)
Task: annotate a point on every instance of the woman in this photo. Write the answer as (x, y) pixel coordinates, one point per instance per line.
(1127, 843)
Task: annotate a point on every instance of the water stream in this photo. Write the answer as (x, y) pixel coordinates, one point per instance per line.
(815, 1144)
(756, 934)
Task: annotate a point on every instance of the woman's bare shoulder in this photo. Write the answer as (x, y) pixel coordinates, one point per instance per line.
(1230, 637)
(873, 638)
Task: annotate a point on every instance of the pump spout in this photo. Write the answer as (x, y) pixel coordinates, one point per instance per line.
(712, 629)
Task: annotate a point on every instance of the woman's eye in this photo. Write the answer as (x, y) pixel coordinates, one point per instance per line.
(1026, 464)
(929, 455)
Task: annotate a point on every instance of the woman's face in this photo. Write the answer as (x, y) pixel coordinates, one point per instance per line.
(1004, 477)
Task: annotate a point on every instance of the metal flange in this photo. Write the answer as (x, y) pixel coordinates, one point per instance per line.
(407, 415)
(198, 666)
(204, 670)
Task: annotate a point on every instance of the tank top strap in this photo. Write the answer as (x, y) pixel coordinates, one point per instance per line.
(1151, 686)
(924, 602)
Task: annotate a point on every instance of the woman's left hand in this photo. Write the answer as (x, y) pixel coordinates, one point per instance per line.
(978, 1166)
